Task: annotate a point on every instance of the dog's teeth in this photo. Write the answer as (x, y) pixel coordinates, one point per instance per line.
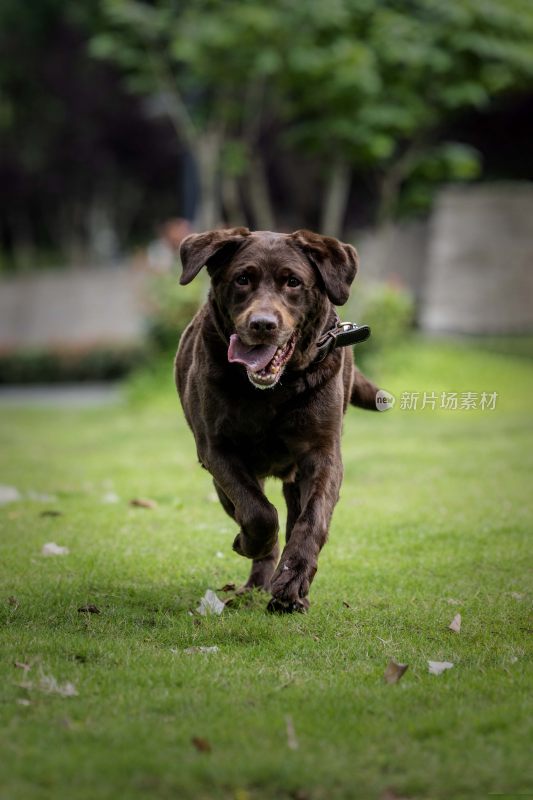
(268, 376)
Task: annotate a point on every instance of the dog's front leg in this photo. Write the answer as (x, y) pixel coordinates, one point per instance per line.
(262, 568)
(319, 480)
(246, 502)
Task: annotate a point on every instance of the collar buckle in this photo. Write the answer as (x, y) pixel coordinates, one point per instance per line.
(343, 335)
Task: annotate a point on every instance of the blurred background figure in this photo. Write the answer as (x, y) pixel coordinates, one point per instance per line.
(403, 127)
(163, 251)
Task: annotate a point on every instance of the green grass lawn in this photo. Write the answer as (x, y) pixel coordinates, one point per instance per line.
(435, 518)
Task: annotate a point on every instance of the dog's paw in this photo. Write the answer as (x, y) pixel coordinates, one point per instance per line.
(277, 606)
(290, 586)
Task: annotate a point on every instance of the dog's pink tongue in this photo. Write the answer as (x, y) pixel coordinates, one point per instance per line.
(255, 358)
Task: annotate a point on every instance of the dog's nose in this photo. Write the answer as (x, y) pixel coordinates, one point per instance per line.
(263, 323)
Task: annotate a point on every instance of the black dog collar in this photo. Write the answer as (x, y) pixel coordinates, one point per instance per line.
(342, 335)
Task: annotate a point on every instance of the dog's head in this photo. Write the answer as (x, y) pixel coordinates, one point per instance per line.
(273, 292)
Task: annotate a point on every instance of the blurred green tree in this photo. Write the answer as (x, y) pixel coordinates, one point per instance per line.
(371, 82)
(360, 83)
(213, 68)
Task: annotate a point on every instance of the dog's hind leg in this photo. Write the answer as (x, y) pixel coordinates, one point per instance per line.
(262, 571)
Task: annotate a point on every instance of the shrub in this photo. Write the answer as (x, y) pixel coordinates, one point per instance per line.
(55, 366)
(170, 308)
(389, 310)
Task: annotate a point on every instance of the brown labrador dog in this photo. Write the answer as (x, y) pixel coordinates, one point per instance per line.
(259, 401)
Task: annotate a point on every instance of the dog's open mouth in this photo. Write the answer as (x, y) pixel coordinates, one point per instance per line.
(264, 362)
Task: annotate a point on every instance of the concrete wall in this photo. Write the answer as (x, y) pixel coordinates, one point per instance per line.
(71, 309)
(396, 253)
(470, 269)
(479, 276)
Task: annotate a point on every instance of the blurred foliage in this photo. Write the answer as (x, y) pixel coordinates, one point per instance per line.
(365, 82)
(389, 310)
(369, 85)
(26, 33)
(449, 161)
(82, 169)
(170, 309)
(56, 366)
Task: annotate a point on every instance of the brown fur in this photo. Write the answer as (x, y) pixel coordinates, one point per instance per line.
(291, 431)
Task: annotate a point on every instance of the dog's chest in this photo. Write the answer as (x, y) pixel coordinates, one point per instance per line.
(269, 440)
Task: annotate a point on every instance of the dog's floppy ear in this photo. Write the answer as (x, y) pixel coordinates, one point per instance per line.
(336, 263)
(208, 249)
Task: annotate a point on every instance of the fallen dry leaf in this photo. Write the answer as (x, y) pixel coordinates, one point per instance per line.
(53, 549)
(292, 741)
(90, 609)
(345, 604)
(210, 604)
(201, 744)
(22, 665)
(199, 649)
(143, 502)
(438, 667)
(12, 601)
(228, 587)
(395, 671)
(455, 624)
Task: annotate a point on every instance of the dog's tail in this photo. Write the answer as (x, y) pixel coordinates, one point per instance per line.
(363, 392)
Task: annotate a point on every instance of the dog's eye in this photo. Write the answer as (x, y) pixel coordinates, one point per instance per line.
(293, 282)
(242, 280)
